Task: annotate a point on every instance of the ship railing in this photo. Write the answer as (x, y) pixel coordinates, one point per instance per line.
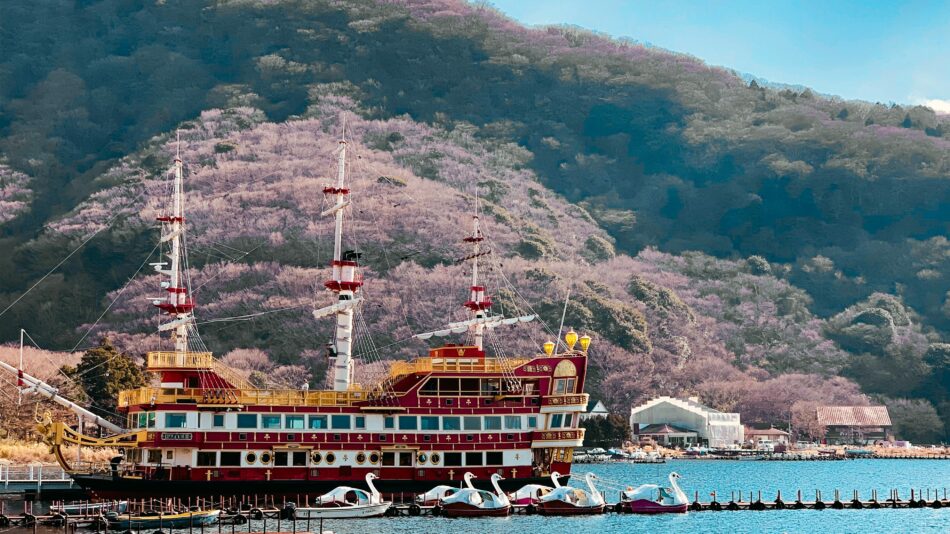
(32, 473)
(456, 365)
(196, 360)
(573, 399)
(248, 397)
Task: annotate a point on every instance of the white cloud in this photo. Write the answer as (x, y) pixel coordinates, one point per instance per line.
(940, 106)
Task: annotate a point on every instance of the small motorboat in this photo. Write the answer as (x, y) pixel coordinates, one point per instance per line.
(89, 508)
(652, 499)
(470, 502)
(566, 500)
(434, 495)
(195, 518)
(532, 493)
(347, 502)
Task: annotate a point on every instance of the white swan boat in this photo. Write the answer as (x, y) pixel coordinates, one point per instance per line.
(347, 502)
(532, 493)
(470, 502)
(652, 499)
(436, 494)
(566, 500)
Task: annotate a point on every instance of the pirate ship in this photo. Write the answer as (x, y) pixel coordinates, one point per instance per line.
(201, 429)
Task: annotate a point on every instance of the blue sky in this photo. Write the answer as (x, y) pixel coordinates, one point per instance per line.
(896, 51)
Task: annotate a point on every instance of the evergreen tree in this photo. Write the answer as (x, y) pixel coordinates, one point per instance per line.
(102, 373)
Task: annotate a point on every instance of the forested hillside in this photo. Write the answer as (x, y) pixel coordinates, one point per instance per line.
(758, 247)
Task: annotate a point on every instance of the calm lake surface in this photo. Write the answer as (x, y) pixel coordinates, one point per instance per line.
(706, 476)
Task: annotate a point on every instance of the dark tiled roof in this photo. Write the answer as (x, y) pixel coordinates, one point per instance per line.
(853, 416)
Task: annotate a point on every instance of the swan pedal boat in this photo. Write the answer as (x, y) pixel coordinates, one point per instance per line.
(652, 499)
(346, 502)
(566, 500)
(532, 493)
(436, 494)
(471, 502)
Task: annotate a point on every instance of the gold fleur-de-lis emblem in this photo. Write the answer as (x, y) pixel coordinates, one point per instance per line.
(468, 401)
(313, 437)
(266, 436)
(448, 438)
(359, 437)
(429, 401)
(405, 437)
(490, 436)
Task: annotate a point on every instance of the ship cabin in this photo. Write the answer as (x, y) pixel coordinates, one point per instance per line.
(430, 419)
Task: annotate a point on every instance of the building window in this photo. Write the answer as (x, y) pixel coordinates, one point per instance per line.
(473, 423)
(299, 459)
(568, 420)
(217, 420)
(230, 459)
(532, 421)
(270, 421)
(408, 422)
(473, 458)
(405, 459)
(293, 422)
(429, 423)
(318, 422)
(492, 422)
(207, 459)
(175, 420)
(513, 422)
(494, 458)
(280, 458)
(247, 420)
(359, 421)
(340, 421)
(453, 459)
(389, 422)
(556, 420)
(451, 423)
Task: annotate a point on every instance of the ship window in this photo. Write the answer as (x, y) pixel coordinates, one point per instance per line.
(556, 420)
(492, 422)
(451, 423)
(206, 458)
(230, 459)
(299, 458)
(494, 458)
(146, 420)
(473, 423)
(294, 422)
(247, 420)
(429, 423)
(389, 459)
(532, 421)
(473, 458)
(318, 421)
(453, 459)
(169, 455)
(280, 458)
(175, 420)
(491, 387)
(513, 422)
(469, 386)
(448, 386)
(529, 387)
(340, 421)
(568, 420)
(154, 456)
(431, 387)
(270, 421)
(564, 386)
(217, 420)
(389, 421)
(405, 459)
(408, 422)
(359, 421)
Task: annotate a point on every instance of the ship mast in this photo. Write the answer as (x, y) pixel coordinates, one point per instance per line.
(479, 303)
(177, 303)
(345, 280)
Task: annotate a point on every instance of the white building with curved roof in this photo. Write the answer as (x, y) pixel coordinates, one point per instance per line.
(711, 427)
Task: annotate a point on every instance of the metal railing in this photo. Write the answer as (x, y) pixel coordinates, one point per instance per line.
(32, 475)
(246, 397)
(458, 365)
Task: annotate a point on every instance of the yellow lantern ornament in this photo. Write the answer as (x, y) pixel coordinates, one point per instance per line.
(585, 342)
(571, 339)
(548, 347)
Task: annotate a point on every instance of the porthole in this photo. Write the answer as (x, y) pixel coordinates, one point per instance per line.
(374, 458)
(331, 458)
(316, 457)
(422, 457)
(250, 458)
(266, 458)
(436, 458)
(361, 458)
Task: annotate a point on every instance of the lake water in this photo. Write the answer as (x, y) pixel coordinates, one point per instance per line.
(725, 478)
